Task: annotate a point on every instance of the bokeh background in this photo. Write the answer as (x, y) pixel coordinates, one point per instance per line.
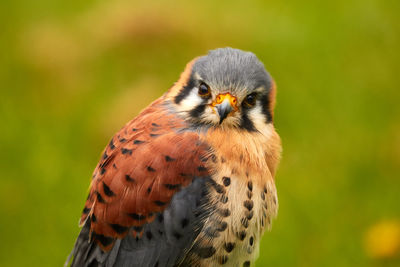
(73, 72)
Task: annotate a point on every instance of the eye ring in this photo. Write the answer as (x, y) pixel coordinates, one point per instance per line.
(250, 100)
(204, 90)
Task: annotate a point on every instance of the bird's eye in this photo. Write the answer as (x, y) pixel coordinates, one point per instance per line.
(250, 100)
(204, 90)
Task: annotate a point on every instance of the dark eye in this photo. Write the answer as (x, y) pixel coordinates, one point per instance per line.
(250, 100)
(204, 90)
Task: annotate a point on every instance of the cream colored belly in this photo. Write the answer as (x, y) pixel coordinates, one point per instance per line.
(244, 209)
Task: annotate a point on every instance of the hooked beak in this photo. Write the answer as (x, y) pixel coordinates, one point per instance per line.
(224, 103)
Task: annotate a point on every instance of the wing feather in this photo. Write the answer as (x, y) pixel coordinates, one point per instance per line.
(143, 167)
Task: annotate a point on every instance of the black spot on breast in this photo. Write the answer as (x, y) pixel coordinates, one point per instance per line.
(134, 129)
(122, 140)
(222, 226)
(138, 142)
(155, 124)
(102, 171)
(154, 135)
(184, 222)
(204, 252)
(169, 159)
(160, 217)
(93, 218)
(265, 189)
(224, 212)
(241, 235)
(251, 241)
(159, 203)
(226, 180)
(246, 264)
(248, 204)
(100, 198)
(245, 222)
(250, 185)
(219, 188)
(105, 155)
(104, 240)
(129, 179)
(114, 166)
(249, 215)
(138, 217)
(222, 259)
(229, 246)
(108, 191)
(149, 235)
(119, 228)
(150, 169)
(262, 195)
(224, 199)
(149, 190)
(126, 151)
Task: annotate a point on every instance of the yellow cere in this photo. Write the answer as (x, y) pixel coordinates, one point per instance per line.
(221, 97)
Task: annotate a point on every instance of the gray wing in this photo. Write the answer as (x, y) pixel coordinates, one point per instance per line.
(164, 242)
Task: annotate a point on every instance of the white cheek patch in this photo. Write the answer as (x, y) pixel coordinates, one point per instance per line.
(190, 102)
(258, 118)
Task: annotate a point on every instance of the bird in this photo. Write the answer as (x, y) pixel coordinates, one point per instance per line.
(190, 181)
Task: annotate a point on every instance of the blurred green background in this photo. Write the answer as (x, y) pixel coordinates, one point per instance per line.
(73, 72)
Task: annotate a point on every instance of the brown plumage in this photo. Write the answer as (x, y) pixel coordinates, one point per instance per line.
(194, 170)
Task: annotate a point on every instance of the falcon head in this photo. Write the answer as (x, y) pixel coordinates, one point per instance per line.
(226, 88)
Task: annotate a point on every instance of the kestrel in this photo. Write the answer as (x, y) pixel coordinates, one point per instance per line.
(190, 180)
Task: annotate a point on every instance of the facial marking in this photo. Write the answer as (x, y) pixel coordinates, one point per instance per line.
(190, 101)
(227, 88)
(258, 118)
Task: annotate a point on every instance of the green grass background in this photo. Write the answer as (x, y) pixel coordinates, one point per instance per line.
(73, 72)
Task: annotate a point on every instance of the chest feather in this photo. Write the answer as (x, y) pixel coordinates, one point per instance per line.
(244, 196)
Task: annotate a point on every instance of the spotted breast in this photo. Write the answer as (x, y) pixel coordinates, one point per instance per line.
(243, 195)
